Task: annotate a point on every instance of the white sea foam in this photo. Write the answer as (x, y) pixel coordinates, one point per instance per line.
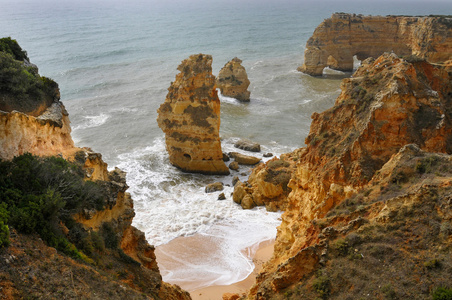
(227, 99)
(92, 121)
(169, 204)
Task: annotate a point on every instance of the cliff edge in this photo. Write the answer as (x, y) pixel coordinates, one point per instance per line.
(55, 196)
(369, 195)
(337, 39)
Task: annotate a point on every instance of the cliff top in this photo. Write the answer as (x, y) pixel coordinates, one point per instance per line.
(21, 87)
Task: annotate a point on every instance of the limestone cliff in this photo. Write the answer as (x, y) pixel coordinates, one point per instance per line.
(33, 120)
(337, 39)
(190, 118)
(387, 104)
(233, 81)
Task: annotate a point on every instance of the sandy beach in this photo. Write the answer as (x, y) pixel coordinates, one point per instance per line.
(263, 253)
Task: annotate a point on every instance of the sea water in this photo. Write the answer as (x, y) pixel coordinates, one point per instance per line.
(114, 61)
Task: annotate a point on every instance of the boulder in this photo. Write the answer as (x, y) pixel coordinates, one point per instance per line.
(214, 187)
(248, 146)
(234, 166)
(222, 196)
(244, 159)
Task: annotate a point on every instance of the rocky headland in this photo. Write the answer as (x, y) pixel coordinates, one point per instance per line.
(337, 39)
(190, 118)
(72, 237)
(233, 80)
(367, 205)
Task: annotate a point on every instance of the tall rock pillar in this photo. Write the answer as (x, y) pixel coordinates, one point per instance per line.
(190, 118)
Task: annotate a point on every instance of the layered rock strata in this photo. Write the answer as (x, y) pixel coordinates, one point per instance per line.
(46, 134)
(337, 39)
(42, 127)
(233, 80)
(190, 119)
(387, 104)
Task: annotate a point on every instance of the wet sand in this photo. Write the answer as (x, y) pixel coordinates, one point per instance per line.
(214, 292)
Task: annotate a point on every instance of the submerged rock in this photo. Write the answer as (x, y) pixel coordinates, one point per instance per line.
(190, 118)
(214, 187)
(233, 81)
(248, 146)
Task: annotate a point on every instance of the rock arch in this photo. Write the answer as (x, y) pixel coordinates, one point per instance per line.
(337, 39)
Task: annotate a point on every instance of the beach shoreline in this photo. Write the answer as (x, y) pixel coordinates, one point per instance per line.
(261, 256)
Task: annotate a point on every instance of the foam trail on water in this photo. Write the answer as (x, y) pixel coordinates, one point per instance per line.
(170, 204)
(92, 121)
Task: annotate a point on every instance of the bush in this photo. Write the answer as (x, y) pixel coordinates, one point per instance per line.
(21, 87)
(322, 286)
(4, 229)
(442, 293)
(38, 195)
(11, 46)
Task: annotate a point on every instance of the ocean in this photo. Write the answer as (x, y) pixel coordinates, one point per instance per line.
(114, 61)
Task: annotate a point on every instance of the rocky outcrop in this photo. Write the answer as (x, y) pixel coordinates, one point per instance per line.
(337, 39)
(46, 134)
(42, 128)
(190, 118)
(387, 104)
(233, 81)
(268, 184)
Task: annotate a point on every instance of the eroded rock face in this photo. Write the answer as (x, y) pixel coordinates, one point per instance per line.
(387, 104)
(190, 118)
(45, 135)
(337, 39)
(233, 81)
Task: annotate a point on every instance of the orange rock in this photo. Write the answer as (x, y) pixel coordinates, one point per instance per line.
(337, 39)
(387, 104)
(190, 118)
(233, 81)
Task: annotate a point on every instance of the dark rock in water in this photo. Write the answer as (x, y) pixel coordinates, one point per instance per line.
(268, 154)
(248, 146)
(214, 187)
(244, 159)
(226, 157)
(222, 196)
(235, 180)
(234, 166)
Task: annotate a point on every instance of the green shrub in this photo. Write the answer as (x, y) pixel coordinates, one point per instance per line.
(442, 293)
(4, 229)
(21, 87)
(39, 194)
(11, 46)
(322, 286)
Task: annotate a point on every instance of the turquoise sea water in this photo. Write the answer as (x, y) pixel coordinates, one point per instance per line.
(114, 61)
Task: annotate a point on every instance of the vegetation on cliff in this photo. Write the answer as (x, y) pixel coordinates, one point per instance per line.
(65, 227)
(369, 212)
(21, 87)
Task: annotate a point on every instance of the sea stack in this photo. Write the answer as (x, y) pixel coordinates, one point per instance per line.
(337, 39)
(190, 118)
(233, 81)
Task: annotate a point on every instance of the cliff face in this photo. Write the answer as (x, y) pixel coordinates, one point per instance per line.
(190, 118)
(47, 134)
(387, 104)
(41, 127)
(233, 81)
(337, 39)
